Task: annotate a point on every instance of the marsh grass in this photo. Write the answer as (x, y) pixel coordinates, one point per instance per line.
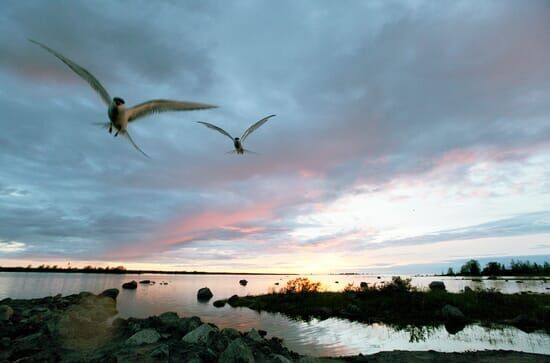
(399, 303)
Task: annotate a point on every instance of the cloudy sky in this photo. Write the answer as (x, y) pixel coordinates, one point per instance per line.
(407, 133)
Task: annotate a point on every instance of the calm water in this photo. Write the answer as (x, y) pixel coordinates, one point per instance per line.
(329, 337)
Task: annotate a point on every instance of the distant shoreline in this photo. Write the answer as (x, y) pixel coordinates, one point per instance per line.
(133, 272)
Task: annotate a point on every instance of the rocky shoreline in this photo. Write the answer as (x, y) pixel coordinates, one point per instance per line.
(83, 328)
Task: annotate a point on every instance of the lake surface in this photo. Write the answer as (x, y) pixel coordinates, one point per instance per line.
(330, 337)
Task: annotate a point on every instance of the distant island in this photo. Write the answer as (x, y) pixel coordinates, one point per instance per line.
(516, 268)
(121, 270)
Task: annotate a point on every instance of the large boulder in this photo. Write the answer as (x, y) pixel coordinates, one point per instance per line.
(169, 318)
(186, 325)
(231, 333)
(452, 314)
(437, 286)
(112, 293)
(161, 352)
(6, 312)
(130, 285)
(145, 336)
(204, 294)
(237, 352)
(277, 358)
(219, 303)
(200, 335)
(255, 336)
(233, 300)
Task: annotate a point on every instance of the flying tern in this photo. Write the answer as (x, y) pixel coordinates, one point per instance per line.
(119, 115)
(238, 142)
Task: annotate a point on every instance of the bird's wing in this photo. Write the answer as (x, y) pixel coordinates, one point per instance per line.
(214, 127)
(254, 127)
(157, 106)
(84, 74)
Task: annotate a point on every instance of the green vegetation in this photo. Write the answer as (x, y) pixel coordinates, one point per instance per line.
(516, 268)
(400, 304)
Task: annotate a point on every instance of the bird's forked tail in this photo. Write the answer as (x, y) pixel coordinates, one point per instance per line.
(127, 135)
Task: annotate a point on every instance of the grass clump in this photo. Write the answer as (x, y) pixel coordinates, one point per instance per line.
(399, 303)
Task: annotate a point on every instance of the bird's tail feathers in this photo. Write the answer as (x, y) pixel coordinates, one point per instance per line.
(127, 135)
(104, 125)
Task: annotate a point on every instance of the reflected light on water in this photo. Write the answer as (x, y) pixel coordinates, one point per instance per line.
(330, 337)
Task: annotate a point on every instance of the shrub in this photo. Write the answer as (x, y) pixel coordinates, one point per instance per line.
(300, 285)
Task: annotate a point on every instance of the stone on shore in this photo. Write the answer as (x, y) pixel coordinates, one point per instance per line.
(145, 282)
(453, 315)
(243, 282)
(219, 303)
(237, 352)
(204, 294)
(200, 335)
(232, 300)
(6, 312)
(437, 286)
(112, 293)
(231, 333)
(130, 285)
(169, 318)
(145, 336)
(255, 336)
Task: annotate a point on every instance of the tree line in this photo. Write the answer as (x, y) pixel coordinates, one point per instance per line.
(515, 268)
(56, 268)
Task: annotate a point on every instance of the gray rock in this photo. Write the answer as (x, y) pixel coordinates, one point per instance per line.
(145, 282)
(237, 352)
(219, 303)
(160, 352)
(231, 333)
(112, 293)
(352, 310)
(452, 314)
(199, 335)
(437, 286)
(5, 342)
(255, 336)
(186, 325)
(130, 285)
(318, 360)
(233, 300)
(204, 294)
(169, 318)
(277, 358)
(322, 311)
(523, 320)
(145, 336)
(468, 290)
(6, 312)
(243, 282)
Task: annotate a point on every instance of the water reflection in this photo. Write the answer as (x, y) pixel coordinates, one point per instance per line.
(328, 337)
